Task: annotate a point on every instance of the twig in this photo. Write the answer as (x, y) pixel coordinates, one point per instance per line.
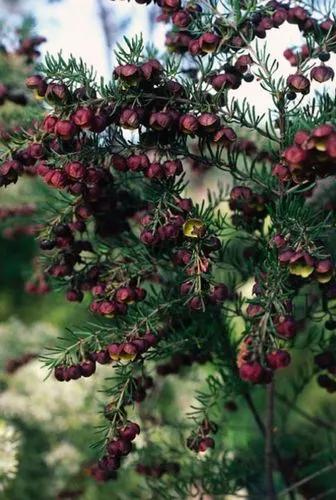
(306, 479)
(260, 424)
(269, 442)
(314, 420)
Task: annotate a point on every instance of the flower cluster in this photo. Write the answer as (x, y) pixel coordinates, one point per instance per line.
(200, 440)
(117, 448)
(312, 155)
(252, 368)
(128, 350)
(249, 207)
(226, 37)
(303, 263)
(134, 346)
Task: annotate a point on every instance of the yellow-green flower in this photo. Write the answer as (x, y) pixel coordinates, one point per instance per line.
(194, 228)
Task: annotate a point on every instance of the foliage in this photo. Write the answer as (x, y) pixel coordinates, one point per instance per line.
(235, 292)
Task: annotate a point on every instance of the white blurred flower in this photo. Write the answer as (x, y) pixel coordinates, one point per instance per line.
(65, 460)
(18, 338)
(64, 454)
(9, 446)
(57, 406)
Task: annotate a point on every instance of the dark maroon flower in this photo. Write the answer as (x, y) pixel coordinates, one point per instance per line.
(170, 5)
(225, 135)
(219, 293)
(299, 83)
(205, 443)
(57, 93)
(109, 463)
(226, 81)
(102, 357)
(188, 124)
(82, 117)
(251, 372)
(9, 172)
(286, 326)
(195, 303)
(49, 124)
(107, 308)
(138, 162)
(151, 338)
(172, 168)
(129, 432)
(119, 163)
(243, 62)
(129, 119)
(75, 170)
(36, 150)
(208, 123)
(59, 373)
(74, 372)
(87, 368)
(154, 171)
(181, 18)
(125, 294)
(209, 42)
(162, 120)
(33, 82)
(65, 129)
(74, 295)
(129, 73)
(149, 238)
(151, 70)
(279, 17)
(98, 123)
(295, 155)
(325, 359)
(281, 172)
(322, 73)
(278, 359)
(195, 48)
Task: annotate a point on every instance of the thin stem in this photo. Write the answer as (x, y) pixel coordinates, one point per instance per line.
(261, 426)
(103, 17)
(306, 479)
(314, 420)
(271, 495)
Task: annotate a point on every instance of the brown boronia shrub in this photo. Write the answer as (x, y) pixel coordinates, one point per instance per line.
(165, 277)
